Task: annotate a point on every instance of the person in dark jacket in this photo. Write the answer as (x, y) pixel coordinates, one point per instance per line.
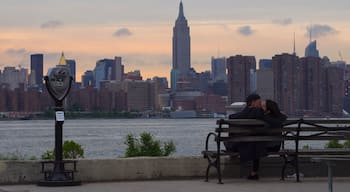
(275, 118)
(250, 151)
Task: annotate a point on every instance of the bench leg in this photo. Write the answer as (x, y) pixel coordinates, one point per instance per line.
(218, 168)
(207, 173)
(217, 164)
(297, 168)
(330, 177)
(284, 167)
(211, 163)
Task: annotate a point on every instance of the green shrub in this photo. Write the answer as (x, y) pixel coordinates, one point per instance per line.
(71, 150)
(147, 146)
(333, 144)
(48, 155)
(306, 147)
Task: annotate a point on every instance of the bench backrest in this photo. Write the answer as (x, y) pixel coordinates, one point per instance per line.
(293, 129)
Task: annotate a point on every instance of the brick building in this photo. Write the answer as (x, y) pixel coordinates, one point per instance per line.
(240, 76)
(285, 81)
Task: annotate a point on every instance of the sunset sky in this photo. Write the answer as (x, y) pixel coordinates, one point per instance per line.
(141, 31)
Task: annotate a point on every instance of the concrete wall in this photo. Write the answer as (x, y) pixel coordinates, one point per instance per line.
(141, 168)
(21, 172)
(14, 172)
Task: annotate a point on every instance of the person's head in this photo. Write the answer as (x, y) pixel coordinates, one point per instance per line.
(272, 108)
(253, 100)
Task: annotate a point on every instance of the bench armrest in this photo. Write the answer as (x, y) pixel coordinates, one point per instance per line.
(216, 139)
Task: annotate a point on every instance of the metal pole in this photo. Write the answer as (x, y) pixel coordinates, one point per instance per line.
(58, 140)
(58, 83)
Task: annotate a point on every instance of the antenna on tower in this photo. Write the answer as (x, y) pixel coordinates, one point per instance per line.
(294, 52)
(310, 31)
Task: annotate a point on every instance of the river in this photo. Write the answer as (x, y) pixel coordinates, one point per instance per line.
(104, 138)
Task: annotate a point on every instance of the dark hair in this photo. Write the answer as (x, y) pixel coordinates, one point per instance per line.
(273, 108)
(252, 97)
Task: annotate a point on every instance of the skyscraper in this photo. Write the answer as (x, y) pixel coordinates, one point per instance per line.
(119, 74)
(333, 92)
(286, 82)
(87, 79)
(105, 70)
(264, 81)
(72, 67)
(36, 69)
(14, 77)
(240, 76)
(311, 86)
(181, 47)
(265, 64)
(311, 50)
(218, 69)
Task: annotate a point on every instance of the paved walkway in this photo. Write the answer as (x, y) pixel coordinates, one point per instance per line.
(237, 185)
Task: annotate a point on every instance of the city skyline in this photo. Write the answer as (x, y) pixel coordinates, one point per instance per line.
(143, 37)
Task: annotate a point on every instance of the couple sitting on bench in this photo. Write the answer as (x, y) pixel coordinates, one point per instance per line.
(267, 111)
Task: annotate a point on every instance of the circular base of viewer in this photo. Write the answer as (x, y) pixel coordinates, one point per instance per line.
(58, 183)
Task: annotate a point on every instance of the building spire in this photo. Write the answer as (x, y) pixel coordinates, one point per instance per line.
(62, 60)
(310, 31)
(294, 52)
(181, 11)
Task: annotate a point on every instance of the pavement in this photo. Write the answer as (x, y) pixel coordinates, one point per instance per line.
(231, 185)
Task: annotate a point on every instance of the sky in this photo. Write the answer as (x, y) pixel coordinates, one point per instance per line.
(141, 31)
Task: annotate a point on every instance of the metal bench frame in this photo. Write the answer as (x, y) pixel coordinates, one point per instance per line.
(47, 171)
(293, 130)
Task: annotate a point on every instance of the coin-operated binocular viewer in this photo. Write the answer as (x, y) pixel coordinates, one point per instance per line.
(58, 83)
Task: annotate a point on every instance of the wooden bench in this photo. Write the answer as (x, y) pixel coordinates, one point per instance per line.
(295, 130)
(47, 171)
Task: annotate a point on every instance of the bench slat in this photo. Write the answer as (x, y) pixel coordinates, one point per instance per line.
(280, 138)
(288, 121)
(251, 138)
(240, 122)
(290, 129)
(324, 152)
(239, 130)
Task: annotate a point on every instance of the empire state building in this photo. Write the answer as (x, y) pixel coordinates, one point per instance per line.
(181, 49)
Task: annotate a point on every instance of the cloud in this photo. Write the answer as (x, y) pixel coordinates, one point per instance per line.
(318, 30)
(122, 32)
(20, 51)
(245, 30)
(283, 22)
(51, 24)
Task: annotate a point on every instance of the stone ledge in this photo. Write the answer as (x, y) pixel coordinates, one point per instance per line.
(157, 168)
